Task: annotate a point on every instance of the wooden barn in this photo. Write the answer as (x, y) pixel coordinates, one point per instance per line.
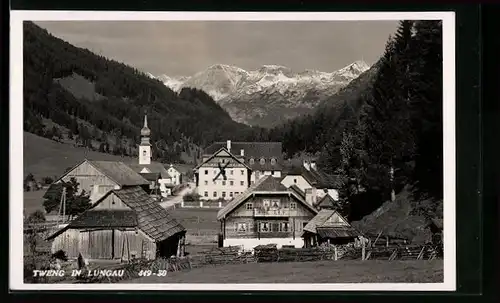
(328, 226)
(122, 225)
(99, 177)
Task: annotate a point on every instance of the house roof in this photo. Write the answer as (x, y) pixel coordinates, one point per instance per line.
(151, 176)
(151, 218)
(265, 185)
(321, 223)
(216, 153)
(101, 218)
(119, 172)
(299, 191)
(326, 202)
(181, 168)
(153, 167)
(253, 150)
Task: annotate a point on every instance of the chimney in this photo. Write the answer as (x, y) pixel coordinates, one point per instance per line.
(310, 196)
(242, 152)
(228, 146)
(307, 165)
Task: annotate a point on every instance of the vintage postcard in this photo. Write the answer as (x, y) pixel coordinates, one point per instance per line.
(232, 151)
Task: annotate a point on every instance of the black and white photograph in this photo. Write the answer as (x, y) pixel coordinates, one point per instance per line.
(232, 151)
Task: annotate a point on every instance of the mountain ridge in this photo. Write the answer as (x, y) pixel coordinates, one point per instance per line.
(269, 95)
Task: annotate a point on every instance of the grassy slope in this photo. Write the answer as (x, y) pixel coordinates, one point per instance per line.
(46, 158)
(355, 271)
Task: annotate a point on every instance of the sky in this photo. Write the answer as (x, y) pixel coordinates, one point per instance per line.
(183, 48)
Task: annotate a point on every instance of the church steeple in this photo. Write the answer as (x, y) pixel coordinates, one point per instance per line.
(145, 146)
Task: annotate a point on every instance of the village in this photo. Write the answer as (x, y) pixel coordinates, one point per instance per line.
(244, 204)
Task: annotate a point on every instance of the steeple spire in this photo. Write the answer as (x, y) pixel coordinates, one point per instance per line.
(145, 131)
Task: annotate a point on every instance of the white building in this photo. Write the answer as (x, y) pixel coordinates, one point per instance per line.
(175, 174)
(222, 175)
(310, 181)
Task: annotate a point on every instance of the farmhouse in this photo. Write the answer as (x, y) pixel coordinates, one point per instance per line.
(223, 175)
(328, 226)
(123, 224)
(263, 158)
(175, 175)
(99, 177)
(311, 181)
(266, 213)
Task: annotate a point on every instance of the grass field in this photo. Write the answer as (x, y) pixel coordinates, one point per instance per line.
(202, 227)
(46, 158)
(356, 271)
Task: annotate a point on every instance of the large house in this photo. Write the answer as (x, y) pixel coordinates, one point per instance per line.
(227, 169)
(266, 213)
(311, 181)
(123, 224)
(223, 175)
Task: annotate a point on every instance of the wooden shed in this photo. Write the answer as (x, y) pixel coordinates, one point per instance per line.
(124, 224)
(330, 227)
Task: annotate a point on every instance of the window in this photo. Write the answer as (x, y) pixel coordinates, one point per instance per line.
(242, 172)
(293, 205)
(272, 173)
(283, 226)
(215, 194)
(252, 182)
(236, 192)
(206, 182)
(223, 182)
(231, 172)
(264, 227)
(295, 180)
(231, 183)
(275, 203)
(206, 194)
(262, 161)
(241, 227)
(206, 171)
(252, 161)
(273, 161)
(230, 194)
(249, 206)
(242, 183)
(266, 202)
(223, 194)
(144, 153)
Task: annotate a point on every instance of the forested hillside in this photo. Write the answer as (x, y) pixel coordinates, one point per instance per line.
(100, 103)
(384, 130)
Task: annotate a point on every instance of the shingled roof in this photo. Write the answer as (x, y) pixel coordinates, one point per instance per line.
(325, 202)
(265, 185)
(144, 212)
(329, 223)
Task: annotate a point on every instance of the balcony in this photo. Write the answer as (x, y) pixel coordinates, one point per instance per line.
(274, 212)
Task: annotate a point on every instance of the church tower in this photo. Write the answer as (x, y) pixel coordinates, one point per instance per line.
(145, 146)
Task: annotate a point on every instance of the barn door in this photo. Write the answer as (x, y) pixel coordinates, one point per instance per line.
(101, 244)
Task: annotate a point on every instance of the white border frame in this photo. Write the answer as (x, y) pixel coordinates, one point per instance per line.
(16, 141)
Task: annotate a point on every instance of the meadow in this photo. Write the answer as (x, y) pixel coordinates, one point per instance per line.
(342, 271)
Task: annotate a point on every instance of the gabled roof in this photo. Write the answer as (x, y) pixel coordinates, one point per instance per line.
(321, 220)
(298, 191)
(151, 176)
(154, 167)
(326, 202)
(254, 150)
(265, 185)
(119, 172)
(314, 177)
(219, 151)
(151, 218)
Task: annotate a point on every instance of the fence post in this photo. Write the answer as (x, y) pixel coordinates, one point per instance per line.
(363, 251)
(201, 203)
(335, 252)
(182, 203)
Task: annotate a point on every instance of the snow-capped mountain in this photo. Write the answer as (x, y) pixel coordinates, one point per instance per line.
(270, 94)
